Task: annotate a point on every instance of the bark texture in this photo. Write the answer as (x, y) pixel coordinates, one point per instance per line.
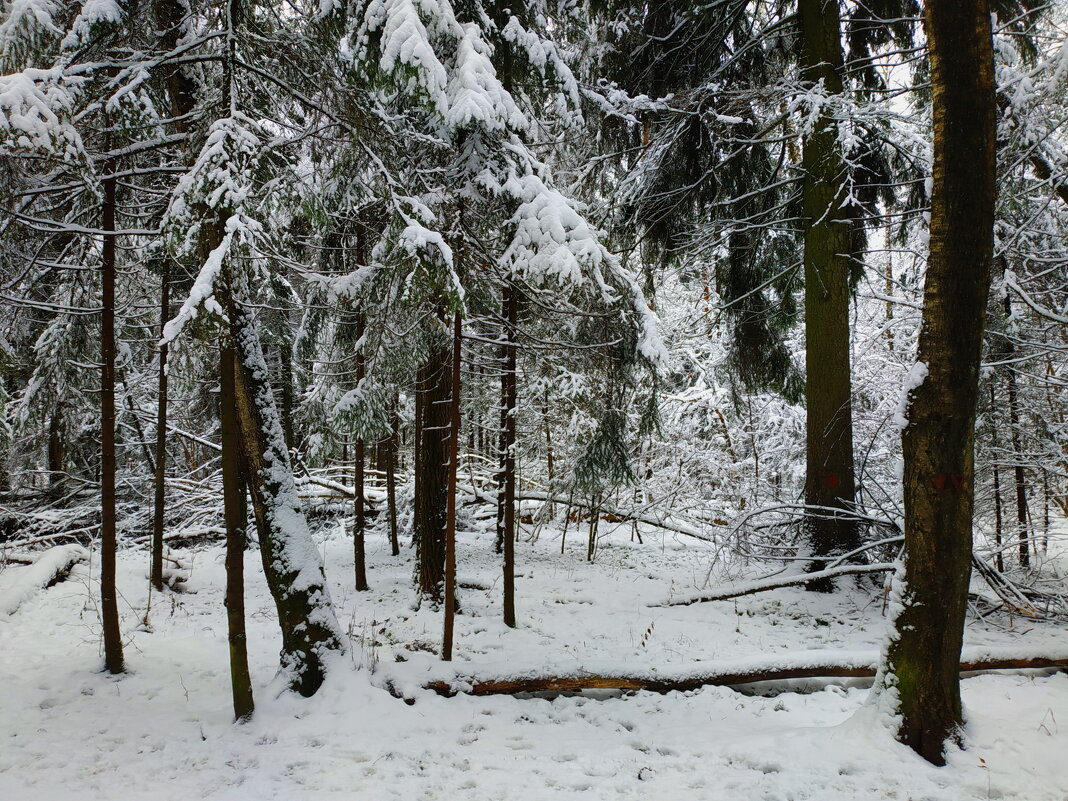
(431, 465)
(923, 656)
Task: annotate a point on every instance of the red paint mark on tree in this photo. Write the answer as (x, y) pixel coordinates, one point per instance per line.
(948, 484)
(831, 481)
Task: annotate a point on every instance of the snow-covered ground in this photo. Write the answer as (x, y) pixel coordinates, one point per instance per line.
(164, 730)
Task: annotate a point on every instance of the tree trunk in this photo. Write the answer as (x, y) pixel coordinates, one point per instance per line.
(727, 675)
(999, 557)
(285, 383)
(1017, 455)
(828, 232)
(431, 467)
(236, 514)
(359, 525)
(925, 646)
(450, 513)
(506, 477)
(56, 450)
(550, 456)
(391, 479)
(291, 561)
(161, 436)
(109, 605)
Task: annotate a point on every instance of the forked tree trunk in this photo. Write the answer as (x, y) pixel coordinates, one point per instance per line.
(109, 604)
(291, 561)
(506, 477)
(236, 515)
(450, 513)
(829, 479)
(431, 467)
(159, 506)
(925, 646)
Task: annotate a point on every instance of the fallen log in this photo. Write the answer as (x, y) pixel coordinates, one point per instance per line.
(49, 568)
(816, 665)
(774, 583)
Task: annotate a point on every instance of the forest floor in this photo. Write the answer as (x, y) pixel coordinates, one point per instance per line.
(163, 731)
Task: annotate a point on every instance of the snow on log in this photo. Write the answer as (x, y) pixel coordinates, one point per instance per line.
(50, 566)
(774, 582)
(807, 665)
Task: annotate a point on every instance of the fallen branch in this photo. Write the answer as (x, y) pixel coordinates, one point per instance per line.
(802, 666)
(49, 568)
(774, 583)
(668, 524)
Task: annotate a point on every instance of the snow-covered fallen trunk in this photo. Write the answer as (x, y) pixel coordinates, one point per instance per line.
(53, 563)
(448, 680)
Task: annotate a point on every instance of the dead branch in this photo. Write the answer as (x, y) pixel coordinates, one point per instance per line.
(774, 583)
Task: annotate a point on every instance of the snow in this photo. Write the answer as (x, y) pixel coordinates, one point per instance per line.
(33, 107)
(28, 581)
(914, 379)
(164, 730)
(202, 291)
(406, 41)
(475, 96)
(94, 12)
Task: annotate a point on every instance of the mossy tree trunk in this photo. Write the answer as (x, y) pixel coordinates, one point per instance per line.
(829, 479)
(925, 647)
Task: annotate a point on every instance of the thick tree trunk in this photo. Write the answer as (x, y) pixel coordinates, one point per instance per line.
(450, 512)
(159, 505)
(829, 479)
(291, 561)
(431, 467)
(506, 476)
(236, 515)
(924, 651)
(109, 604)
